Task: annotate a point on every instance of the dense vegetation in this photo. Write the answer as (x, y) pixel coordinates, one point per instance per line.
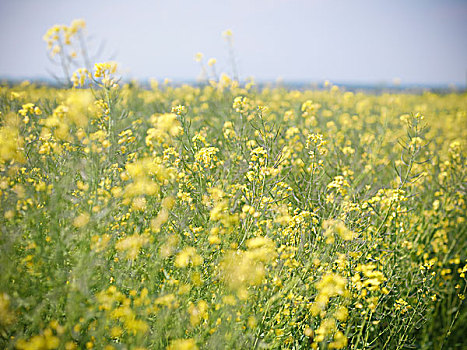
(226, 217)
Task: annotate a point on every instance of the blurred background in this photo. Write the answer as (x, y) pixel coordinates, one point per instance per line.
(421, 42)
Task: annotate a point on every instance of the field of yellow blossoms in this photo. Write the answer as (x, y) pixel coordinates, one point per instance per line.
(223, 216)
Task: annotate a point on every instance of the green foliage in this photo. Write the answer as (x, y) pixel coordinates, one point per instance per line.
(226, 217)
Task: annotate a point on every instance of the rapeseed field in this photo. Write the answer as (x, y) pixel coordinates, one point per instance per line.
(224, 216)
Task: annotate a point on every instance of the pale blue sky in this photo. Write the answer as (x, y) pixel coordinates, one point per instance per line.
(363, 41)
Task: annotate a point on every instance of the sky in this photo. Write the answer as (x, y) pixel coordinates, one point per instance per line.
(353, 41)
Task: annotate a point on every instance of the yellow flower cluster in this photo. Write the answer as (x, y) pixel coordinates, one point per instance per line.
(242, 269)
(60, 35)
(105, 72)
(166, 127)
(224, 216)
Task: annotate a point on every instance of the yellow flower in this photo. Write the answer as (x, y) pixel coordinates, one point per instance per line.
(131, 245)
(105, 72)
(227, 33)
(212, 62)
(207, 157)
(198, 57)
(183, 344)
(79, 77)
(6, 314)
(81, 220)
(186, 256)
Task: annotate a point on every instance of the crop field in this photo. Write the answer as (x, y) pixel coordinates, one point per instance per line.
(224, 216)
